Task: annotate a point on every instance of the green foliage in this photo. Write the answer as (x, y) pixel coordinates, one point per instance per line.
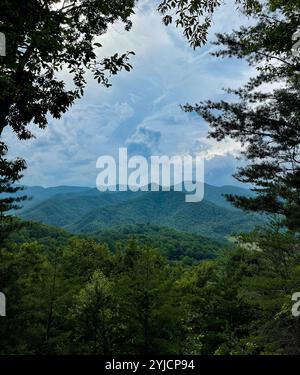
(93, 316)
(8, 179)
(175, 246)
(149, 305)
(72, 295)
(44, 37)
(27, 278)
(241, 304)
(68, 294)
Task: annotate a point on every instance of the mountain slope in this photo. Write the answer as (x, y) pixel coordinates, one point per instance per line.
(215, 194)
(39, 194)
(64, 209)
(87, 211)
(167, 209)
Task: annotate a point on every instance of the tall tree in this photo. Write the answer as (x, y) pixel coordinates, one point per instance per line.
(11, 173)
(93, 316)
(150, 312)
(265, 121)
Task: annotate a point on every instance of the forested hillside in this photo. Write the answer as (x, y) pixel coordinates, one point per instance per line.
(90, 211)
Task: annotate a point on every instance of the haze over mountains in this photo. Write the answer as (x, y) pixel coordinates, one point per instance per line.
(83, 210)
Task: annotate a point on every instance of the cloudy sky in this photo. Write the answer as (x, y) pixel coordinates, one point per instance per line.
(141, 110)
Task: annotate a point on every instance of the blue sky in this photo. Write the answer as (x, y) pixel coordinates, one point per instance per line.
(141, 110)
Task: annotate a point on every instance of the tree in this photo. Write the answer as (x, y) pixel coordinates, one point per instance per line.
(7, 180)
(266, 122)
(217, 317)
(150, 313)
(93, 316)
(268, 288)
(43, 37)
(26, 277)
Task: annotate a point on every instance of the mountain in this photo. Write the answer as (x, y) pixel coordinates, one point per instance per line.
(166, 209)
(215, 194)
(38, 194)
(87, 211)
(62, 209)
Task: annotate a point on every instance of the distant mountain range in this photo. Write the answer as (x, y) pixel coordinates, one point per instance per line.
(83, 210)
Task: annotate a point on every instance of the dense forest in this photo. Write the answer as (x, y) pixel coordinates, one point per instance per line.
(158, 292)
(148, 273)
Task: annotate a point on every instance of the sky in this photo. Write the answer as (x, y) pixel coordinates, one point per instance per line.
(141, 111)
